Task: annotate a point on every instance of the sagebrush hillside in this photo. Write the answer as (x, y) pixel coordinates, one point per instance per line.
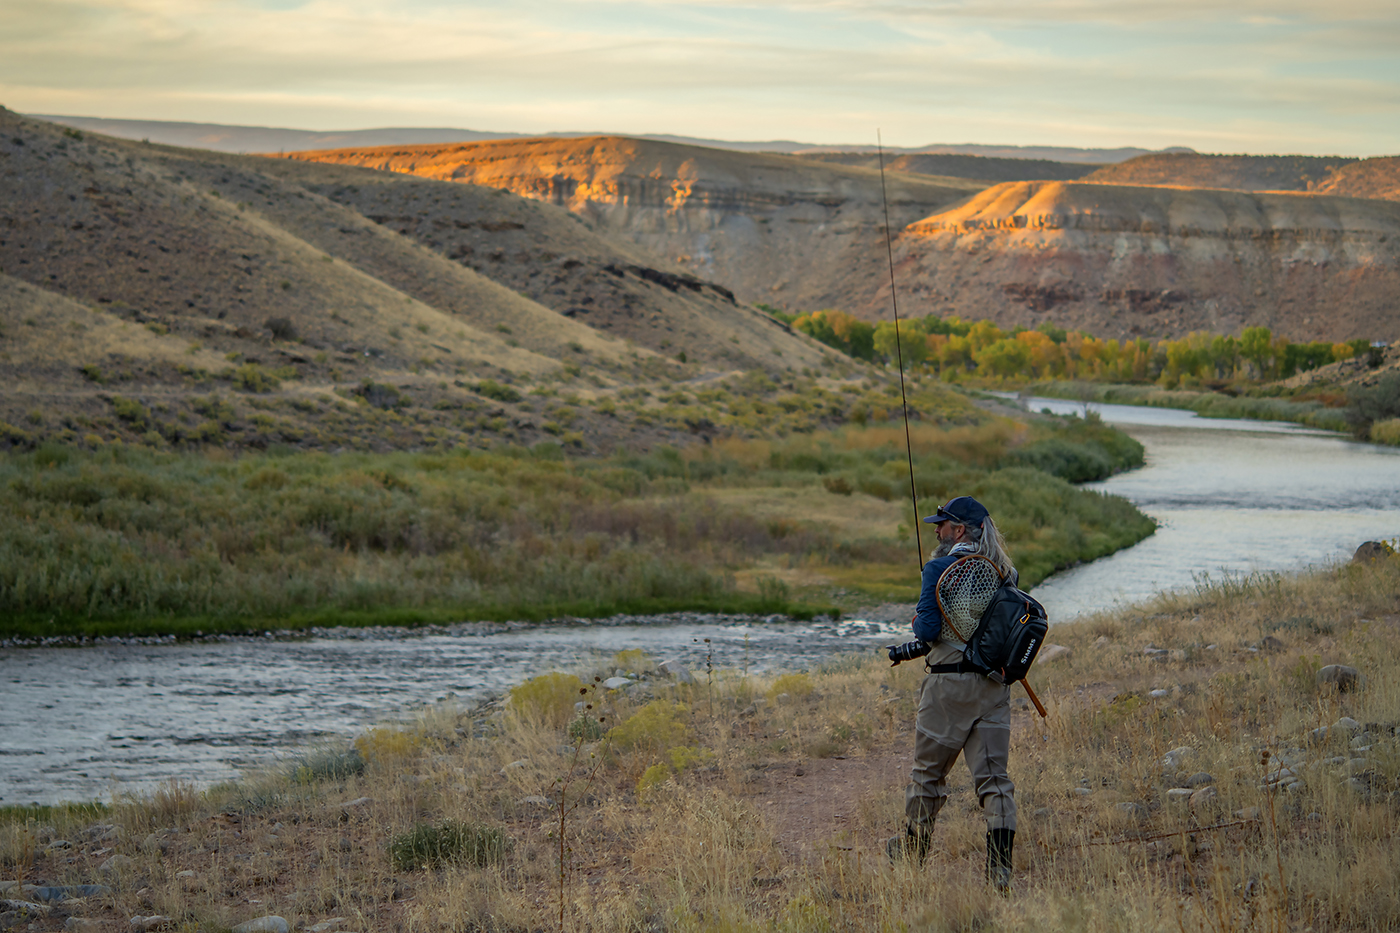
(1239, 172)
(232, 301)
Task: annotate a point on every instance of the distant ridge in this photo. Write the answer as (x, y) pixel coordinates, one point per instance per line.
(221, 137)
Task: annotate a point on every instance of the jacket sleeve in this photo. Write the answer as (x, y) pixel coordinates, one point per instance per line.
(928, 620)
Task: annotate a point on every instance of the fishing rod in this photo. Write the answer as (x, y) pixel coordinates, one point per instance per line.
(899, 353)
(904, 398)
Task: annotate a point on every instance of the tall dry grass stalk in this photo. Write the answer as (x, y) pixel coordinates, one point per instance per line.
(696, 820)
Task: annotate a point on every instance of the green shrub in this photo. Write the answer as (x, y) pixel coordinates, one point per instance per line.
(1386, 432)
(328, 763)
(794, 685)
(379, 395)
(549, 698)
(447, 843)
(495, 390)
(657, 727)
(250, 377)
(130, 410)
(586, 729)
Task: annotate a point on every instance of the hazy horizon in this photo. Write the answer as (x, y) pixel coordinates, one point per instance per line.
(1238, 77)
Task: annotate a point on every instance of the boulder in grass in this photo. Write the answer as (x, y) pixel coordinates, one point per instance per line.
(327, 926)
(677, 670)
(1346, 678)
(1372, 551)
(115, 864)
(268, 924)
(1049, 653)
(23, 909)
(1204, 799)
(141, 924)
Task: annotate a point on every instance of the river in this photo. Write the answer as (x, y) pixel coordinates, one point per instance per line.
(1230, 497)
(87, 723)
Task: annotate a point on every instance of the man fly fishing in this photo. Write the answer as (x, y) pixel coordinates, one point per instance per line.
(979, 633)
(959, 713)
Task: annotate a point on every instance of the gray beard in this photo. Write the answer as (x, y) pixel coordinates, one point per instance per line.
(946, 547)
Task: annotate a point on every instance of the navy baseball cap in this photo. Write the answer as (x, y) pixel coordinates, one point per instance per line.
(964, 510)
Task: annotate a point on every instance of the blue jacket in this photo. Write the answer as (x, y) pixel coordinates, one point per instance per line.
(928, 620)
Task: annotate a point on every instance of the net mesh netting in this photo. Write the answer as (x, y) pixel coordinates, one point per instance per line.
(964, 591)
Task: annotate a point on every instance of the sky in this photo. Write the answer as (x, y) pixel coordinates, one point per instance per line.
(1255, 76)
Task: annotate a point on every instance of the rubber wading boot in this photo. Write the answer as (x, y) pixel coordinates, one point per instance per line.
(999, 842)
(912, 846)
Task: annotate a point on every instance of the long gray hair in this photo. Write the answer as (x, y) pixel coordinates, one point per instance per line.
(988, 542)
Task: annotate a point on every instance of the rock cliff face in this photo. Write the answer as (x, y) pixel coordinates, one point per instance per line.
(1121, 260)
(773, 228)
(1128, 261)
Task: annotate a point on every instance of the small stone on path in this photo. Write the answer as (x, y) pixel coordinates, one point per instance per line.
(1204, 797)
(142, 924)
(115, 864)
(326, 926)
(268, 924)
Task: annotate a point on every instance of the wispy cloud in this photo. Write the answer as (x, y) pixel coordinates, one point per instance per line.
(1243, 75)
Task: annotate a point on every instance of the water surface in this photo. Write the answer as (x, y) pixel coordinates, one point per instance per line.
(81, 723)
(1230, 496)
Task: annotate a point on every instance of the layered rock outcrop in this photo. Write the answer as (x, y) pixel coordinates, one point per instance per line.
(1135, 260)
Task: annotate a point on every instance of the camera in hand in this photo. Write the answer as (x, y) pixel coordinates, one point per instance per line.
(908, 651)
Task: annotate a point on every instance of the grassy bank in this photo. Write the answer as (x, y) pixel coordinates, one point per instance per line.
(759, 804)
(128, 540)
(1207, 404)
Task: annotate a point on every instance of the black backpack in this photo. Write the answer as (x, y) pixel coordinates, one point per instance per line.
(1006, 640)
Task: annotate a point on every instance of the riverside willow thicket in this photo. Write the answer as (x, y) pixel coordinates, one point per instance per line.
(132, 540)
(956, 349)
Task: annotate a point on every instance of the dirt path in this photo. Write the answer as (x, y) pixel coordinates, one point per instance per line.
(817, 803)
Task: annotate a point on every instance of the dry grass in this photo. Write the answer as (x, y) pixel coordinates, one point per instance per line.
(773, 817)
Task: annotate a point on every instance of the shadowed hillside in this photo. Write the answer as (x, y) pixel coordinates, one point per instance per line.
(1125, 261)
(1241, 172)
(770, 227)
